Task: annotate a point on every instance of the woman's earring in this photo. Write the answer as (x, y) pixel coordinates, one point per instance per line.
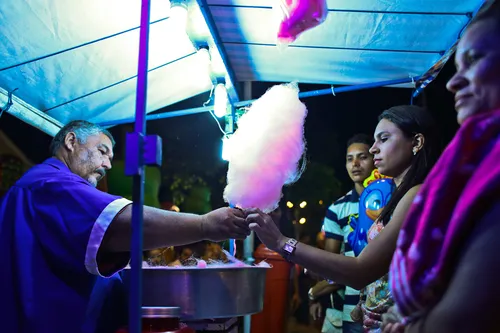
(415, 152)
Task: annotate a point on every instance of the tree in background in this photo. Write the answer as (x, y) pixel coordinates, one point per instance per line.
(188, 191)
(318, 187)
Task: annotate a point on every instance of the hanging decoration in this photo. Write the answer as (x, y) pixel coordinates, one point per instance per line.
(298, 16)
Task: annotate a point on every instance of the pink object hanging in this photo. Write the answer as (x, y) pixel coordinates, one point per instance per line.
(299, 16)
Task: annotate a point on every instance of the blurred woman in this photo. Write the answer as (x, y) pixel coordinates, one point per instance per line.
(446, 270)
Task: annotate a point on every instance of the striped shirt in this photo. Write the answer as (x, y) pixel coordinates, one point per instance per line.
(337, 226)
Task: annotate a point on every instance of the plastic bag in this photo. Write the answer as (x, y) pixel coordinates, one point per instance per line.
(298, 16)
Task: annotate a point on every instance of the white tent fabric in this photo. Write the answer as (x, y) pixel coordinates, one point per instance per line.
(88, 53)
(78, 59)
(360, 41)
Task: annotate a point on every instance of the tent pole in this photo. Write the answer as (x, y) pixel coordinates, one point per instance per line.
(305, 94)
(248, 243)
(135, 298)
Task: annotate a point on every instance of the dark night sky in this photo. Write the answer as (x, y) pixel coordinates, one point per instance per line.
(330, 122)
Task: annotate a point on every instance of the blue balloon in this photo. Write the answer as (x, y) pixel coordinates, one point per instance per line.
(371, 203)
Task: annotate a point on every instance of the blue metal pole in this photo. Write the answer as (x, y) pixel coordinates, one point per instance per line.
(169, 114)
(335, 91)
(355, 87)
(135, 298)
(248, 243)
(305, 94)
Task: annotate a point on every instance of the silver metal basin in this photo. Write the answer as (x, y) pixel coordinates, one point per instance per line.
(204, 293)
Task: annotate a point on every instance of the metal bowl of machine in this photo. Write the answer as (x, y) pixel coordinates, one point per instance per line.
(204, 293)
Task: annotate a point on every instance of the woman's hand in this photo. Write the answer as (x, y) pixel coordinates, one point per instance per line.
(391, 322)
(357, 314)
(393, 328)
(266, 229)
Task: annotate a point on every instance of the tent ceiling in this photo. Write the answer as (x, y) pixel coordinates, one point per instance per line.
(361, 41)
(78, 59)
(87, 55)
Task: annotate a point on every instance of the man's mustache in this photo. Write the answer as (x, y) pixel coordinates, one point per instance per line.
(101, 172)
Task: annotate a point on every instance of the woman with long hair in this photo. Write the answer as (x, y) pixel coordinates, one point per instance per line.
(405, 148)
(446, 269)
(399, 136)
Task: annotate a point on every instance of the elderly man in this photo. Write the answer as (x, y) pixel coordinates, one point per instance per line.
(62, 240)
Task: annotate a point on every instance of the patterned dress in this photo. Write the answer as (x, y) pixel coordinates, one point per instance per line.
(378, 294)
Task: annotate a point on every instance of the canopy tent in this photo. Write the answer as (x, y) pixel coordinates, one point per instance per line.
(78, 60)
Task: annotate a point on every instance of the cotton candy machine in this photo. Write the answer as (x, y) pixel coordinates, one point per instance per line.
(214, 291)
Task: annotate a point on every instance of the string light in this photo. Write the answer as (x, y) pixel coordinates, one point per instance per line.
(179, 14)
(220, 100)
(226, 152)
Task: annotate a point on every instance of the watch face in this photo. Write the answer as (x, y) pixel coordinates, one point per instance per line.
(288, 248)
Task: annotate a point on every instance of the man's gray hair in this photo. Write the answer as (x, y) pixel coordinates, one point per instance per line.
(82, 129)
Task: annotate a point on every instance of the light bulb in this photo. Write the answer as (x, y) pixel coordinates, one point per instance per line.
(220, 100)
(204, 55)
(179, 14)
(226, 148)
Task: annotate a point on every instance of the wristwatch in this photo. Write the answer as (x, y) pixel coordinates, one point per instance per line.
(311, 295)
(289, 248)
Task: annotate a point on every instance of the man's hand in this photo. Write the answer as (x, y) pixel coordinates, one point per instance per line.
(224, 223)
(295, 301)
(266, 229)
(314, 275)
(315, 310)
(323, 287)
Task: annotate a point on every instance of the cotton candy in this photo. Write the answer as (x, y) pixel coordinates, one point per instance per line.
(266, 150)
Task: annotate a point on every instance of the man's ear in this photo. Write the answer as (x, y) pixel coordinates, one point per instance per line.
(70, 141)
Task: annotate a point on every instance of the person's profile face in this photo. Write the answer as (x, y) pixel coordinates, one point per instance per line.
(392, 150)
(93, 158)
(476, 84)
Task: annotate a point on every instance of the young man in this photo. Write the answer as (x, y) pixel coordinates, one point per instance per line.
(359, 165)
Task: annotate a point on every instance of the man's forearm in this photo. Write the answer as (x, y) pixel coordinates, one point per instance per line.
(325, 290)
(161, 228)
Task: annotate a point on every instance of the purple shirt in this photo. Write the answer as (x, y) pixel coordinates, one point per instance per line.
(52, 223)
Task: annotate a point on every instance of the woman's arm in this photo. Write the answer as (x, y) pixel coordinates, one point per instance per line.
(358, 272)
(471, 302)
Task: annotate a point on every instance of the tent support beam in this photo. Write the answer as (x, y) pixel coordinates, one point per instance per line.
(441, 52)
(76, 47)
(390, 12)
(305, 94)
(30, 115)
(117, 83)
